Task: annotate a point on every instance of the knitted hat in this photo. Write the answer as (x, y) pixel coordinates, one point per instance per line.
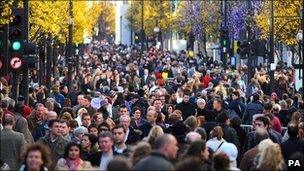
(95, 103)
(80, 130)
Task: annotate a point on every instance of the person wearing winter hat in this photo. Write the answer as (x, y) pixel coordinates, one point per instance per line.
(95, 103)
(232, 152)
(78, 133)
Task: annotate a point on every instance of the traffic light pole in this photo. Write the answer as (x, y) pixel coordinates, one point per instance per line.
(249, 40)
(224, 26)
(142, 27)
(15, 86)
(25, 75)
(49, 62)
(4, 50)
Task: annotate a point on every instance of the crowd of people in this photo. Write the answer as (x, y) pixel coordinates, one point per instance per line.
(153, 110)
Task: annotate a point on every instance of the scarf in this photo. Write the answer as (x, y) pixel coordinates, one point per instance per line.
(73, 164)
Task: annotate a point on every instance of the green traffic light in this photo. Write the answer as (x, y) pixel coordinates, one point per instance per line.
(224, 42)
(16, 46)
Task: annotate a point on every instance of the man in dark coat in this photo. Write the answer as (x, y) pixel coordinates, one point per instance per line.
(217, 108)
(120, 147)
(293, 144)
(236, 104)
(248, 157)
(166, 149)
(185, 106)
(255, 107)
(264, 123)
(151, 121)
(55, 141)
(102, 158)
(230, 134)
(132, 136)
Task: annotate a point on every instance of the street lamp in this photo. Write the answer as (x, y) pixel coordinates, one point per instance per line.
(300, 36)
(156, 29)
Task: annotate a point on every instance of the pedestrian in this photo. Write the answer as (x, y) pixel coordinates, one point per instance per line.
(102, 158)
(12, 143)
(140, 151)
(118, 164)
(72, 159)
(120, 147)
(200, 150)
(36, 157)
(89, 145)
(55, 141)
(166, 149)
(155, 132)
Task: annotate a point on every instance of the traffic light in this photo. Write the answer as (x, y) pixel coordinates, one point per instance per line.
(30, 50)
(3, 50)
(16, 37)
(225, 41)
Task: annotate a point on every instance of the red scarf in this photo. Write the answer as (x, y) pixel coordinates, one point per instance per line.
(73, 164)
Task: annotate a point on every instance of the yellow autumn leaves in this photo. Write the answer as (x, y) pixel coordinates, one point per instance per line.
(51, 17)
(286, 20)
(156, 13)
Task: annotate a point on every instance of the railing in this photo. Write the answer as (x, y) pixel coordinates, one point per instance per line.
(248, 128)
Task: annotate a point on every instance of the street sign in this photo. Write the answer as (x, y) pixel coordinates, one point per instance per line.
(15, 63)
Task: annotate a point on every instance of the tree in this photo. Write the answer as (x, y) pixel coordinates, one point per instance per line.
(48, 17)
(156, 13)
(106, 19)
(6, 10)
(52, 17)
(200, 18)
(286, 22)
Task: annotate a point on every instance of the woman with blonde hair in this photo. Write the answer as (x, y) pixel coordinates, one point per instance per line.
(155, 132)
(111, 123)
(79, 115)
(269, 157)
(216, 140)
(191, 123)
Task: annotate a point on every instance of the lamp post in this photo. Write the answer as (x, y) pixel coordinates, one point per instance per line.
(70, 45)
(156, 31)
(271, 44)
(302, 46)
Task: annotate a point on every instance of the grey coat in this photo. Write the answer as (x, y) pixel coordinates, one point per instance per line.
(21, 126)
(155, 161)
(57, 147)
(12, 146)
